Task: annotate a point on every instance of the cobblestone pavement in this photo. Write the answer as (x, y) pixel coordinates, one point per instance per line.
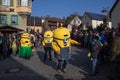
(15, 68)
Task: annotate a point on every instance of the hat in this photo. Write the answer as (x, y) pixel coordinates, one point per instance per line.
(118, 27)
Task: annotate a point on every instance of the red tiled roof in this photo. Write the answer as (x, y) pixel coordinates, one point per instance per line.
(53, 19)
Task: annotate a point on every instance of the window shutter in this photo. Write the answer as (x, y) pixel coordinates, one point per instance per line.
(11, 2)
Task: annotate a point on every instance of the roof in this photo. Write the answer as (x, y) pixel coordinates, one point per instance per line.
(8, 28)
(95, 16)
(71, 17)
(116, 2)
(53, 19)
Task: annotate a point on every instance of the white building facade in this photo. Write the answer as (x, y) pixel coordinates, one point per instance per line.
(93, 19)
(76, 21)
(115, 13)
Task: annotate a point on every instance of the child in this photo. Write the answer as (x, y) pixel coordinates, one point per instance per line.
(14, 47)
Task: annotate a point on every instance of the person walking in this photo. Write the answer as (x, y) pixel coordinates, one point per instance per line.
(62, 46)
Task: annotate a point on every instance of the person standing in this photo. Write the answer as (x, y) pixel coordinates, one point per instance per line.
(14, 47)
(1, 47)
(25, 50)
(95, 51)
(115, 53)
(47, 43)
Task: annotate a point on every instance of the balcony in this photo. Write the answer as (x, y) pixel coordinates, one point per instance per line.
(23, 10)
(6, 9)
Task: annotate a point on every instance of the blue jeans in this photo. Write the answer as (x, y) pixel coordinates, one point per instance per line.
(94, 65)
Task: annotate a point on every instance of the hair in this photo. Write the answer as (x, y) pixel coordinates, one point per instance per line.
(96, 37)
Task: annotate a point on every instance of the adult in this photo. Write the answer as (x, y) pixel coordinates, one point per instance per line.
(47, 43)
(62, 45)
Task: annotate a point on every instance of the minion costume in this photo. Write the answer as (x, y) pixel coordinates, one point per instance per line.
(61, 45)
(47, 43)
(25, 50)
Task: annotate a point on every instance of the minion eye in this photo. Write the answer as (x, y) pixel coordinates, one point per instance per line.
(66, 40)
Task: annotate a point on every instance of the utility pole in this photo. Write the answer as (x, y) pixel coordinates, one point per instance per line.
(106, 12)
(34, 23)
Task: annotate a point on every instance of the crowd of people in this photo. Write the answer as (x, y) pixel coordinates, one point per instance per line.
(99, 43)
(10, 43)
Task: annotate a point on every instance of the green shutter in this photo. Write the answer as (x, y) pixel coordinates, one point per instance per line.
(11, 2)
(0, 2)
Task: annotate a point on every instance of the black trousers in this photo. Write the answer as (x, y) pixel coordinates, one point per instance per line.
(62, 64)
(47, 51)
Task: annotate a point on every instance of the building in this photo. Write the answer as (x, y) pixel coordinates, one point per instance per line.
(52, 23)
(115, 13)
(74, 22)
(15, 12)
(34, 23)
(93, 19)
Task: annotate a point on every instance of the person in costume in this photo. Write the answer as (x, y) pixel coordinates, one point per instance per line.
(47, 43)
(62, 47)
(14, 47)
(25, 50)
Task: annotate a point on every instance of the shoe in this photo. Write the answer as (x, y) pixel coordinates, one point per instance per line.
(64, 70)
(50, 59)
(28, 58)
(58, 71)
(92, 74)
(44, 60)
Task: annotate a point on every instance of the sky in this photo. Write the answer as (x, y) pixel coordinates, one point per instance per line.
(64, 8)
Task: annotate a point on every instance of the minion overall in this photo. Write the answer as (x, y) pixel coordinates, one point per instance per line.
(47, 43)
(62, 45)
(25, 50)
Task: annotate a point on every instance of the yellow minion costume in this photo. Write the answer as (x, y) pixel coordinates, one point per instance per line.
(47, 43)
(61, 45)
(25, 50)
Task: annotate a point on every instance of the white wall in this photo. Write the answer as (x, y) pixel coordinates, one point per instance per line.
(115, 15)
(96, 23)
(76, 21)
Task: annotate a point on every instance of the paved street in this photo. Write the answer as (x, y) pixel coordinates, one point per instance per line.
(79, 66)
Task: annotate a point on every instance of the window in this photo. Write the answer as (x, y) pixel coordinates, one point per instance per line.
(19, 2)
(14, 19)
(3, 19)
(6, 2)
(29, 3)
(24, 3)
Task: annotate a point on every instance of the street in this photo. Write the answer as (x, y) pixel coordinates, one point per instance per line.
(15, 68)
